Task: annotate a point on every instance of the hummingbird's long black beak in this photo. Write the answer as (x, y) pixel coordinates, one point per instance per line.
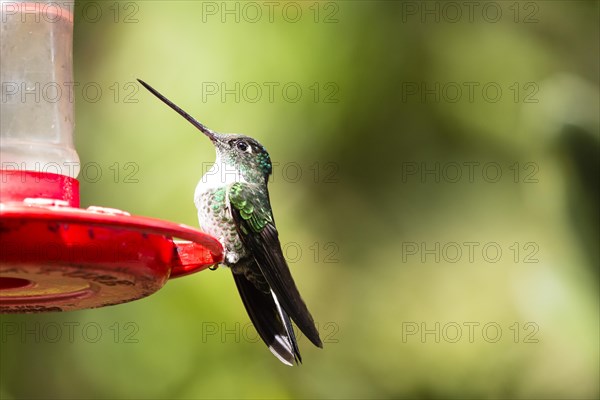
(211, 135)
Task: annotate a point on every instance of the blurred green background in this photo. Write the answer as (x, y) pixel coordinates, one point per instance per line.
(436, 195)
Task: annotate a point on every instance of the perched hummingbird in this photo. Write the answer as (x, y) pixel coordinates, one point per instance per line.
(233, 205)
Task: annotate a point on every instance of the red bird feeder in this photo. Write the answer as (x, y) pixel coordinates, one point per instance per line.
(55, 256)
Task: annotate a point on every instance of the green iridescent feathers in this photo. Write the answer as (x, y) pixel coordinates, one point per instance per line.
(252, 205)
(264, 162)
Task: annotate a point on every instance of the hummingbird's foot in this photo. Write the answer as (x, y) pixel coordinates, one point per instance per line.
(214, 267)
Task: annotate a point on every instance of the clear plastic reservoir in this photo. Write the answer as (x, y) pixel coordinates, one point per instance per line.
(37, 99)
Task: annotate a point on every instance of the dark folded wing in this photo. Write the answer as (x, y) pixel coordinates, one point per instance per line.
(254, 221)
(271, 322)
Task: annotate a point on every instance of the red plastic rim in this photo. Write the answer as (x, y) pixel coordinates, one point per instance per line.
(64, 258)
(55, 256)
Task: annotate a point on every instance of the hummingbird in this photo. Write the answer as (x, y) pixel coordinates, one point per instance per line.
(233, 205)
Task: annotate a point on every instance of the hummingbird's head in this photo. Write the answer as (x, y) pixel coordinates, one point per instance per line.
(243, 154)
(237, 153)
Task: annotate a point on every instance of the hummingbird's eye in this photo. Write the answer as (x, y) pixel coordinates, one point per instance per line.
(243, 146)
